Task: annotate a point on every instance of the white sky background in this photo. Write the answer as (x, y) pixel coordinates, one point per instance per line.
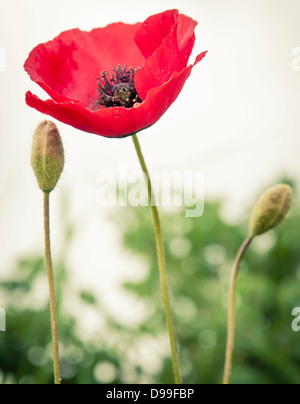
(237, 119)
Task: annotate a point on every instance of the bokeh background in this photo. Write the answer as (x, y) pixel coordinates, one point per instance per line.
(237, 119)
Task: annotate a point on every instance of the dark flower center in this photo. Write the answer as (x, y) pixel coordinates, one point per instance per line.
(117, 89)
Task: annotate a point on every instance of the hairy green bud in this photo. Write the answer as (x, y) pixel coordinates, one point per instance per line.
(271, 209)
(47, 156)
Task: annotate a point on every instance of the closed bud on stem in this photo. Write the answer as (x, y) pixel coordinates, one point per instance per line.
(271, 209)
(47, 156)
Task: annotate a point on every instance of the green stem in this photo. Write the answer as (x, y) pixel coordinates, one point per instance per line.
(231, 310)
(51, 290)
(161, 264)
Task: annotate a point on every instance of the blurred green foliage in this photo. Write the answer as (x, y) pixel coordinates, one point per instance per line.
(200, 253)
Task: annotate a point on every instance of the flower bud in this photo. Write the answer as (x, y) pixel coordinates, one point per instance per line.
(47, 156)
(271, 209)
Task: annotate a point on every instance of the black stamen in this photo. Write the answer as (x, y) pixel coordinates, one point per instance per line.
(118, 90)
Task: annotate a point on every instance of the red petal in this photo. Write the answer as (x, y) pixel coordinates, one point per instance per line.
(172, 54)
(116, 122)
(159, 68)
(186, 36)
(68, 67)
(152, 32)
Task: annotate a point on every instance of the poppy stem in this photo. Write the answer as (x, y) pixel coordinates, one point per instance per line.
(51, 290)
(161, 264)
(231, 310)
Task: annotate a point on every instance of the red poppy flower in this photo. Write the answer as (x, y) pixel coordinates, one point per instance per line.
(114, 81)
